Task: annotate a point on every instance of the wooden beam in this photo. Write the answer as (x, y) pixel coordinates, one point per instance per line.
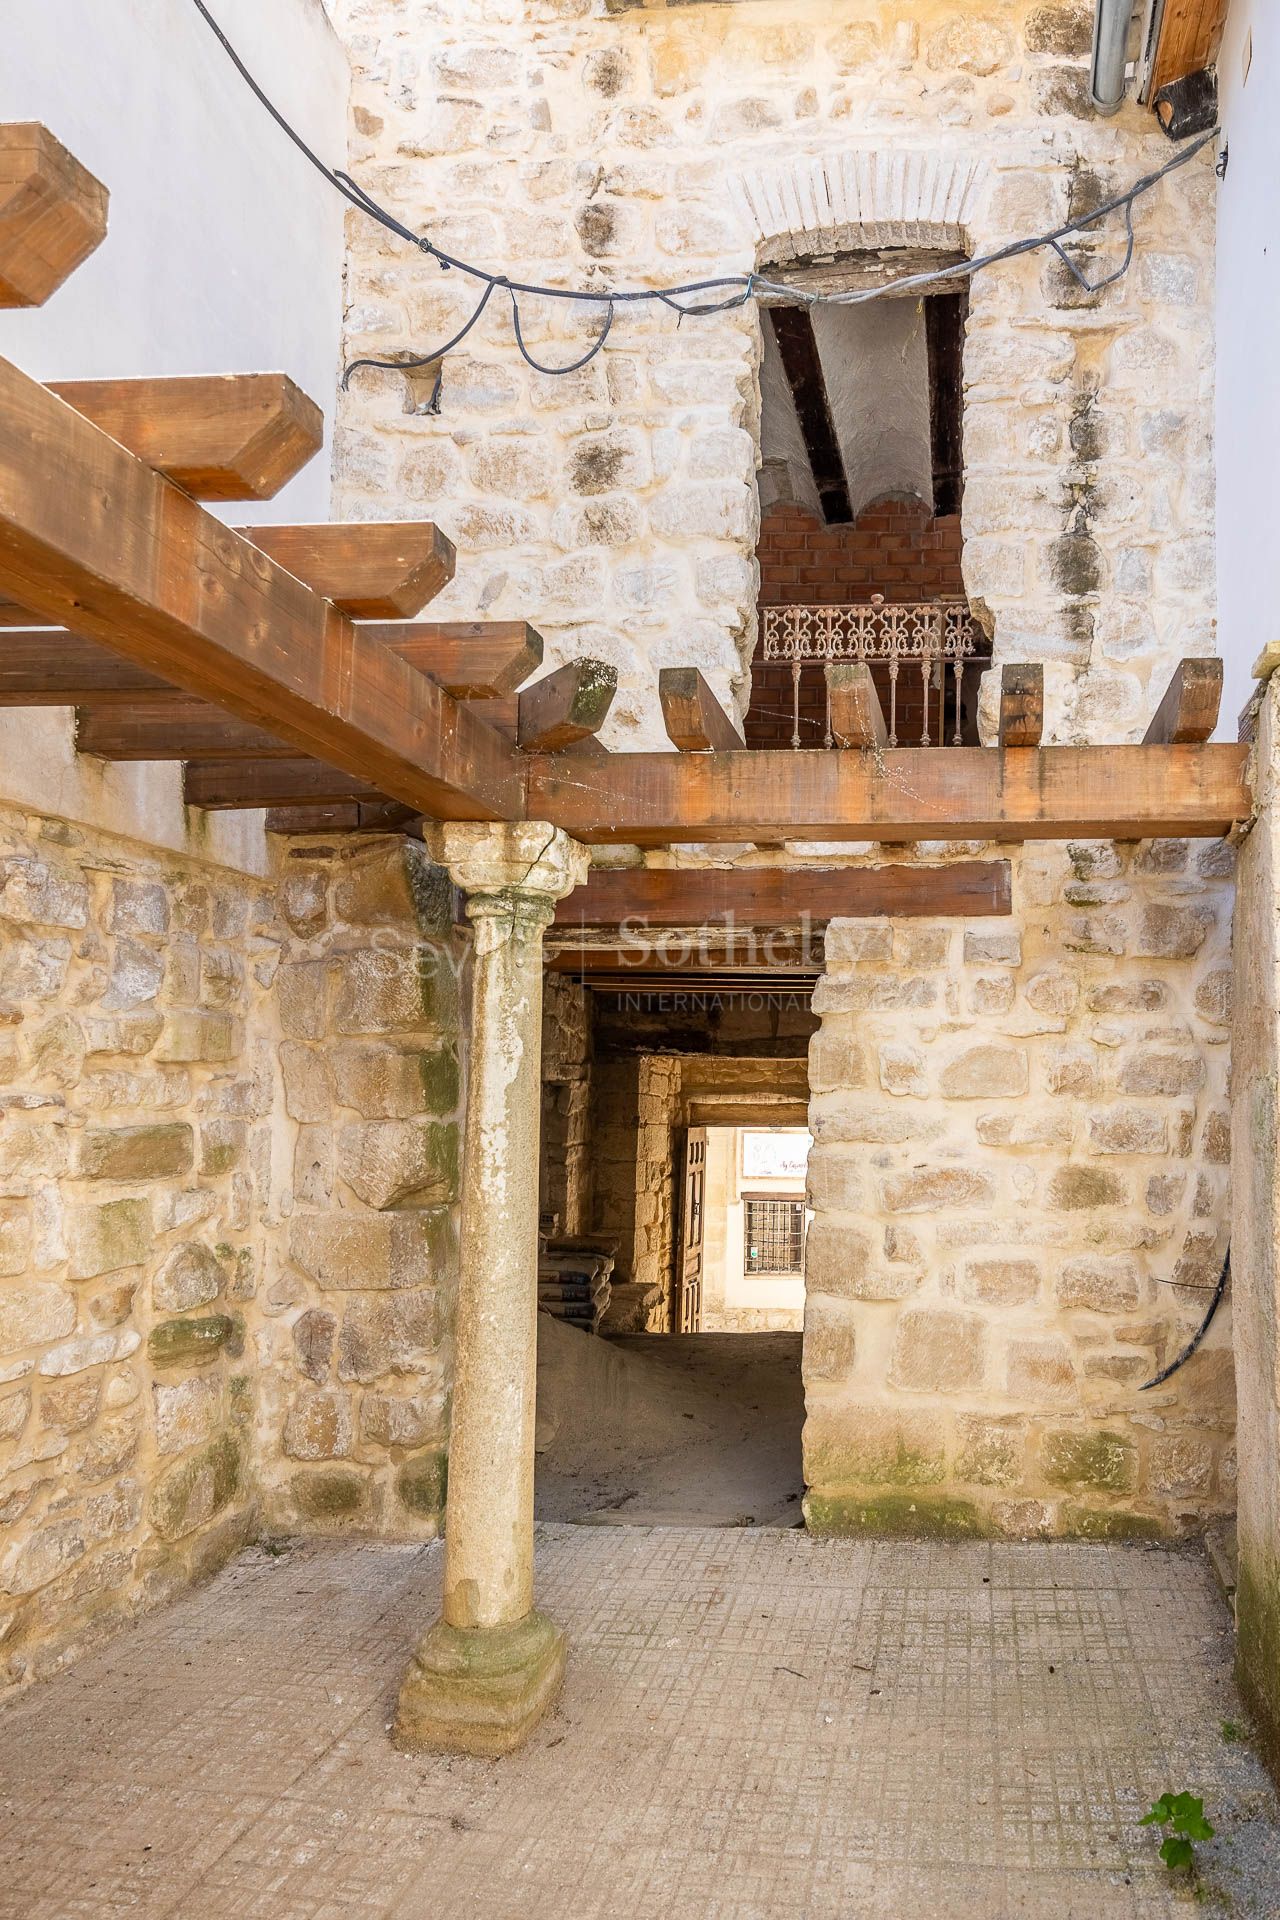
(54, 668)
(802, 364)
(566, 706)
(780, 897)
(1189, 38)
(857, 719)
(178, 728)
(470, 659)
(1189, 710)
(270, 783)
(233, 436)
(93, 539)
(374, 570)
(13, 615)
(344, 816)
(53, 213)
(694, 719)
(914, 793)
(1021, 704)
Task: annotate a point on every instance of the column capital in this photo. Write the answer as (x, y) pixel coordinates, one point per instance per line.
(527, 858)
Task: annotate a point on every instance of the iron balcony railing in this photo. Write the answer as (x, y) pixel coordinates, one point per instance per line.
(927, 638)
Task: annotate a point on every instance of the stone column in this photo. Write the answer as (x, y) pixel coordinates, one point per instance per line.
(1255, 1235)
(487, 1670)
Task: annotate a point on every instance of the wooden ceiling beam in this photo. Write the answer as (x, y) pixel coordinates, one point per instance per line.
(1021, 704)
(233, 436)
(344, 816)
(914, 793)
(694, 719)
(91, 538)
(178, 728)
(857, 718)
(372, 570)
(54, 668)
(470, 659)
(743, 897)
(1189, 709)
(53, 213)
(227, 784)
(566, 706)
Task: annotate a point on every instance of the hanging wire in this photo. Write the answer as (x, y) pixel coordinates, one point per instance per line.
(733, 290)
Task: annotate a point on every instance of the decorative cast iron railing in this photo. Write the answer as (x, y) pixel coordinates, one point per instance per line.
(929, 637)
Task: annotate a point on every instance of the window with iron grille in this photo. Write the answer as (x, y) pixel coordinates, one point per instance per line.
(774, 1234)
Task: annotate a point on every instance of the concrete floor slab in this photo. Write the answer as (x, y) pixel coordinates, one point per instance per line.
(755, 1726)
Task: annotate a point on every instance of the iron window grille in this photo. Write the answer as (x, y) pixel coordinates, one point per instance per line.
(774, 1234)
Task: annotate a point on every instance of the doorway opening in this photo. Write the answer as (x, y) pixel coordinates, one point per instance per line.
(745, 1218)
(861, 492)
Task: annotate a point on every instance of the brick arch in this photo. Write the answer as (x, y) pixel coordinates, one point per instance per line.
(859, 200)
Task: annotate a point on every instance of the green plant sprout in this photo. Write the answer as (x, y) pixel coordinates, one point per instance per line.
(1183, 1814)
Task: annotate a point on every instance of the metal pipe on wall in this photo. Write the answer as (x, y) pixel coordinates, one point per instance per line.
(1110, 50)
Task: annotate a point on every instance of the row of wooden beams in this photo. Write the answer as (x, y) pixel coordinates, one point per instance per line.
(371, 570)
(53, 213)
(567, 706)
(917, 793)
(92, 539)
(780, 897)
(236, 436)
(177, 728)
(233, 783)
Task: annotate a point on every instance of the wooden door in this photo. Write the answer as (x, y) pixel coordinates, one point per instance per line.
(688, 1316)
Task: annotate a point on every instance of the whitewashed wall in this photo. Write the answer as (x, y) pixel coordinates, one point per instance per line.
(1248, 390)
(224, 254)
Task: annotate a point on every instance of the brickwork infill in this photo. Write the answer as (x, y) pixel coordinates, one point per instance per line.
(1020, 1183)
(895, 548)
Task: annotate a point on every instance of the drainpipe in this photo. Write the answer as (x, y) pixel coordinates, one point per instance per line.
(1110, 47)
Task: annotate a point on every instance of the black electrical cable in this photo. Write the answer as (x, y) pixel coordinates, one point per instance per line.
(1189, 1349)
(743, 287)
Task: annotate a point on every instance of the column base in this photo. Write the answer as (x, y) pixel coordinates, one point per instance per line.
(480, 1690)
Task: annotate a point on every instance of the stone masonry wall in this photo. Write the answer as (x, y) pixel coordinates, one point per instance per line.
(135, 1162)
(565, 1185)
(355, 1341)
(555, 141)
(1019, 1176)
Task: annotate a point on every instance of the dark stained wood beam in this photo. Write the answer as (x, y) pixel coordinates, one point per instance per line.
(374, 570)
(694, 719)
(1189, 709)
(178, 728)
(53, 668)
(470, 659)
(345, 816)
(13, 615)
(233, 436)
(271, 783)
(53, 213)
(793, 331)
(566, 706)
(91, 538)
(857, 719)
(778, 897)
(914, 793)
(1021, 704)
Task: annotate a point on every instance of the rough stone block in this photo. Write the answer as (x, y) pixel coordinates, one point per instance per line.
(830, 1339)
(193, 1490)
(314, 1333)
(855, 1445)
(194, 1037)
(1128, 1130)
(401, 1420)
(1162, 1071)
(1173, 933)
(992, 949)
(394, 1333)
(89, 1350)
(319, 1427)
(400, 1163)
(1079, 1189)
(384, 1083)
(986, 1073)
(1106, 1284)
(836, 1257)
(422, 1484)
(1096, 1461)
(191, 1341)
(190, 1277)
(990, 1450)
(15, 1239)
(136, 1153)
(371, 1251)
(938, 1350)
(308, 1090)
(1001, 1282)
(186, 1413)
(338, 1495)
(1180, 1466)
(937, 1189)
(32, 1314)
(393, 990)
(1041, 1372)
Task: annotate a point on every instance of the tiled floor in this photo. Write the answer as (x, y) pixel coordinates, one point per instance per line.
(755, 1724)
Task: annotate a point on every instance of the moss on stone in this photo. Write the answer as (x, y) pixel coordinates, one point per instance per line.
(329, 1496)
(1258, 1648)
(422, 1483)
(1103, 1460)
(192, 1340)
(927, 1516)
(1111, 1523)
(438, 1072)
(196, 1488)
